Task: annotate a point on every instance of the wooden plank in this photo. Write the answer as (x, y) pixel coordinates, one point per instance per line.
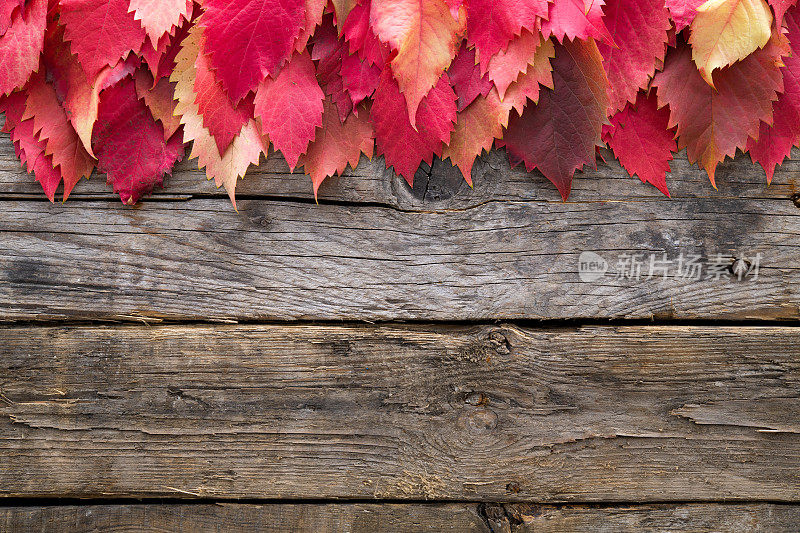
(499, 413)
(734, 518)
(286, 261)
(442, 187)
(400, 518)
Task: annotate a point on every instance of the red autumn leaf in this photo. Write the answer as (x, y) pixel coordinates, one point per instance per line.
(159, 100)
(403, 146)
(538, 74)
(337, 144)
(21, 45)
(492, 24)
(683, 11)
(246, 149)
(160, 16)
(328, 50)
(477, 127)
(223, 119)
(642, 140)
(576, 19)
(425, 36)
(713, 123)
(639, 27)
(507, 66)
(7, 10)
(290, 107)
(52, 126)
(361, 39)
(166, 62)
(774, 143)
(101, 32)
(153, 54)
(78, 94)
(315, 10)
(559, 134)
(29, 149)
(248, 40)
(359, 78)
(780, 7)
(130, 144)
(466, 78)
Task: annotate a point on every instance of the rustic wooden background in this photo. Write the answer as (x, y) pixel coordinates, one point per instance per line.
(395, 359)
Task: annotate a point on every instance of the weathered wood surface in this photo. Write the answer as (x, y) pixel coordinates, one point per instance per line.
(483, 413)
(441, 188)
(402, 518)
(501, 258)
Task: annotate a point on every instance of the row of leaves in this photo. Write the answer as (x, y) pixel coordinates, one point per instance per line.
(123, 85)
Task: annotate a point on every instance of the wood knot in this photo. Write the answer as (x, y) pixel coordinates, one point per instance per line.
(484, 346)
(475, 398)
(479, 420)
(499, 342)
(796, 200)
(259, 221)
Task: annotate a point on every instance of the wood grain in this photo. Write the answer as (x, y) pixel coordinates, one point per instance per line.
(441, 187)
(401, 518)
(277, 260)
(492, 413)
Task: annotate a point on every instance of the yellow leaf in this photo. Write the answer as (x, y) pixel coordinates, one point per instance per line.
(426, 37)
(727, 31)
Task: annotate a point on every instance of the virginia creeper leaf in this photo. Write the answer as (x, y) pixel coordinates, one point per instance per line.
(51, 125)
(642, 140)
(21, 45)
(426, 37)
(360, 37)
(403, 146)
(476, 128)
(359, 78)
(559, 134)
(329, 50)
(539, 73)
(491, 24)
(7, 10)
(225, 169)
(466, 77)
(576, 19)
(337, 144)
(726, 31)
(248, 40)
(290, 107)
(101, 32)
(774, 143)
(713, 123)
(506, 66)
(683, 11)
(29, 149)
(130, 144)
(780, 7)
(80, 95)
(639, 27)
(160, 16)
(158, 100)
(221, 117)
(314, 11)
